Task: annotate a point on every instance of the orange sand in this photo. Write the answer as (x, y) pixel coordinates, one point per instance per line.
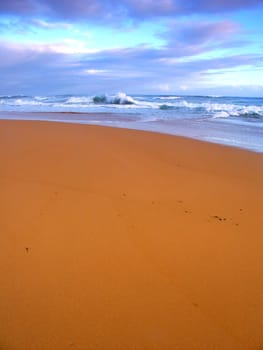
(117, 239)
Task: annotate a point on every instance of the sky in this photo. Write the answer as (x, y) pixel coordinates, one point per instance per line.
(186, 47)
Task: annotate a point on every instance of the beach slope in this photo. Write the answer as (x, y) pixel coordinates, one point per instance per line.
(114, 239)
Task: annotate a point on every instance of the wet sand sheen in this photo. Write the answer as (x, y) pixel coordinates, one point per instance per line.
(120, 239)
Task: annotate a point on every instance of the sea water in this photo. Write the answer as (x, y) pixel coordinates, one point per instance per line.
(235, 121)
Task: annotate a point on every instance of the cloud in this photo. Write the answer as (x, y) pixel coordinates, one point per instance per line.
(116, 9)
(191, 38)
(50, 25)
(16, 57)
(145, 8)
(68, 65)
(199, 33)
(17, 7)
(79, 8)
(93, 71)
(48, 69)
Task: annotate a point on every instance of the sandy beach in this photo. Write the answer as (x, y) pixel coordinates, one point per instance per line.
(113, 239)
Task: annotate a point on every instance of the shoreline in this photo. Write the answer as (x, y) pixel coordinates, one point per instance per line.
(121, 239)
(218, 133)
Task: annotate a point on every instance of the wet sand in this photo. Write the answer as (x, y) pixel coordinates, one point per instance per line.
(114, 239)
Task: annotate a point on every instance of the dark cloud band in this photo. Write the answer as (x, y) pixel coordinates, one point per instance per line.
(113, 9)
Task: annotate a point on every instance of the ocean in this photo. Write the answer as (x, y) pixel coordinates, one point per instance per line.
(234, 121)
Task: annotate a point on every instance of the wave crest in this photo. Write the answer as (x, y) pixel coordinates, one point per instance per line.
(119, 99)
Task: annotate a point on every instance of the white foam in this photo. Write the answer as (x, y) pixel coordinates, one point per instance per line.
(173, 105)
(170, 97)
(221, 115)
(22, 102)
(78, 100)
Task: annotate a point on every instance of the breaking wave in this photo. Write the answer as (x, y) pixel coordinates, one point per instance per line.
(215, 110)
(119, 99)
(160, 106)
(225, 111)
